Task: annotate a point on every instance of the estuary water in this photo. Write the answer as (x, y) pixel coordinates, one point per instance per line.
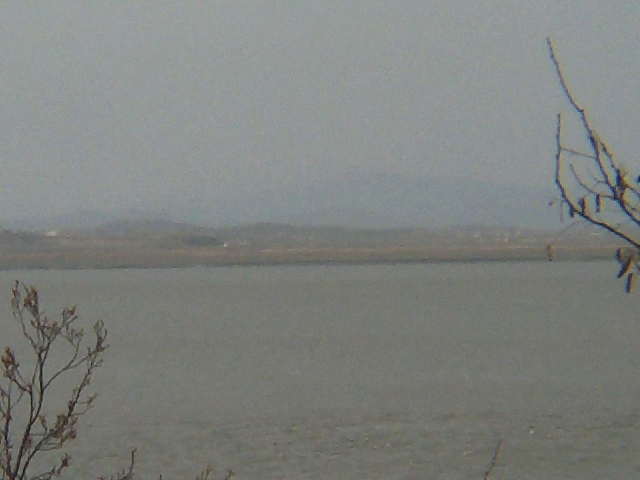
(358, 372)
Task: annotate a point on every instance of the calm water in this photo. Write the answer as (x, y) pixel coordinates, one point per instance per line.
(405, 371)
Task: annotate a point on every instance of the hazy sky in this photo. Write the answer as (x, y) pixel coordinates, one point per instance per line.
(133, 104)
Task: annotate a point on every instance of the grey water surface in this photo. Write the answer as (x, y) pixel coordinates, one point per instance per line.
(362, 372)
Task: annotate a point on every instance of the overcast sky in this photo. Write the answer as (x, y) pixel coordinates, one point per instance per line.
(134, 104)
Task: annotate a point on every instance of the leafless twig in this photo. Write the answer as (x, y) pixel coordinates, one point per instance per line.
(608, 199)
(494, 459)
(28, 431)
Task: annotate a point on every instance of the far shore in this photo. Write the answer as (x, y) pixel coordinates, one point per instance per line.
(86, 259)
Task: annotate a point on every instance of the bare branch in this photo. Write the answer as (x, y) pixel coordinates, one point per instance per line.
(576, 152)
(25, 436)
(494, 459)
(593, 138)
(33, 434)
(125, 474)
(609, 199)
(573, 202)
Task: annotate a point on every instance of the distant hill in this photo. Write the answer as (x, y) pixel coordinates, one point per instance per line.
(146, 233)
(389, 201)
(360, 200)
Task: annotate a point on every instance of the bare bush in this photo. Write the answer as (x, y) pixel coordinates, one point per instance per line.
(595, 187)
(27, 430)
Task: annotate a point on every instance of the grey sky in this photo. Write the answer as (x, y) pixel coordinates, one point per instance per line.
(109, 105)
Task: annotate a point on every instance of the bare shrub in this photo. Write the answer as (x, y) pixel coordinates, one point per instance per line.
(27, 428)
(595, 187)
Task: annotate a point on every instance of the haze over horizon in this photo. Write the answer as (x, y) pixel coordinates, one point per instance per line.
(329, 111)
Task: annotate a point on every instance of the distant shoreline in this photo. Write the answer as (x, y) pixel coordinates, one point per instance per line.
(221, 257)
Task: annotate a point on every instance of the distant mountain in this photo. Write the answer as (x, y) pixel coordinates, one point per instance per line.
(359, 200)
(388, 201)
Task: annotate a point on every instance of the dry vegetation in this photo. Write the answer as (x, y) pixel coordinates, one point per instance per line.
(595, 187)
(33, 422)
(28, 429)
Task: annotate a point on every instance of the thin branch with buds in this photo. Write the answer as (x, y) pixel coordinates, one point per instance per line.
(608, 199)
(28, 432)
